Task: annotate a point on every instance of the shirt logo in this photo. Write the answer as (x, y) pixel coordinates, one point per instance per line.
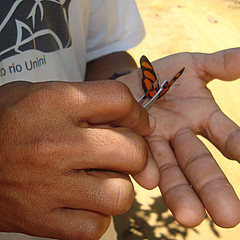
(41, 25)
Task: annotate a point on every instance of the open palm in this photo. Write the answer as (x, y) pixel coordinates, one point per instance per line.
(190, 179)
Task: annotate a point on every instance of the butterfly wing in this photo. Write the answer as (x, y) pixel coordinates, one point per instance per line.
(167, 85)
(176, 77)
(149, 77)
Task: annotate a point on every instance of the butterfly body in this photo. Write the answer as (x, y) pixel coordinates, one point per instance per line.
(149, 77)
(150, 82)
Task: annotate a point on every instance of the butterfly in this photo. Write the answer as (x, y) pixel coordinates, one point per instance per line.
(151, 84)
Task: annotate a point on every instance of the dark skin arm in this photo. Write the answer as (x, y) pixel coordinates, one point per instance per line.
(106, 66)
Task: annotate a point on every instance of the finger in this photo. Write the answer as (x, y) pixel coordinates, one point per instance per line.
(149, 177)
(105, 192)
(74, 224)
(175, 188)
(207, 179)
(106, 102)
(116, 149)
(221, 65)
(224, 134)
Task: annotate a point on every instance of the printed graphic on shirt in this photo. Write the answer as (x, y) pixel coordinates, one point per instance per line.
(33, 25)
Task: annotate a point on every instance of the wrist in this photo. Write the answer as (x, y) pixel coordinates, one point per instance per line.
(119, 74)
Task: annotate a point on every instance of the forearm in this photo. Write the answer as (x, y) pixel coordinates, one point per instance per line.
(105, 67)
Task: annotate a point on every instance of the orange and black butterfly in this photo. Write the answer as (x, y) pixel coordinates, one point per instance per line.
(149, 77)
(150, 82)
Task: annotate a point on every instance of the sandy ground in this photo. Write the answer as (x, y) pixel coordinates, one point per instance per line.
(177, 26)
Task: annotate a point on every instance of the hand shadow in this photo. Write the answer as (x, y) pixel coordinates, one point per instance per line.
(137, 224)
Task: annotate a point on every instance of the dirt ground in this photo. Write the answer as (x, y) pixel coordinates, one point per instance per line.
(178, 26)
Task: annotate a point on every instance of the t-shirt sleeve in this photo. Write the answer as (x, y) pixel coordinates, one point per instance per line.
(114, 25)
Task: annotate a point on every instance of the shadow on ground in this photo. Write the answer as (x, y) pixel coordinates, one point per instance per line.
(136, 224)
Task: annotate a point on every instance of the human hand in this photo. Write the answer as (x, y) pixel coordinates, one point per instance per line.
(190, 179)
(51, 143)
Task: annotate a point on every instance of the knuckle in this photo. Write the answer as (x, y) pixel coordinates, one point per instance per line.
(140, 153)
(129, 112)
(42, 152)
(49, 97)
(42, 147)
(134, 150)
(38, 95)
(92, 228)
(120, 88)
(125, 99)
(123, 196)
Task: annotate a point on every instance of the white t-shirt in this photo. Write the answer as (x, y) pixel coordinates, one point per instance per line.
(53, 40)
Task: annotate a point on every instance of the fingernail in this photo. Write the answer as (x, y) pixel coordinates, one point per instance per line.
(152, 122)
